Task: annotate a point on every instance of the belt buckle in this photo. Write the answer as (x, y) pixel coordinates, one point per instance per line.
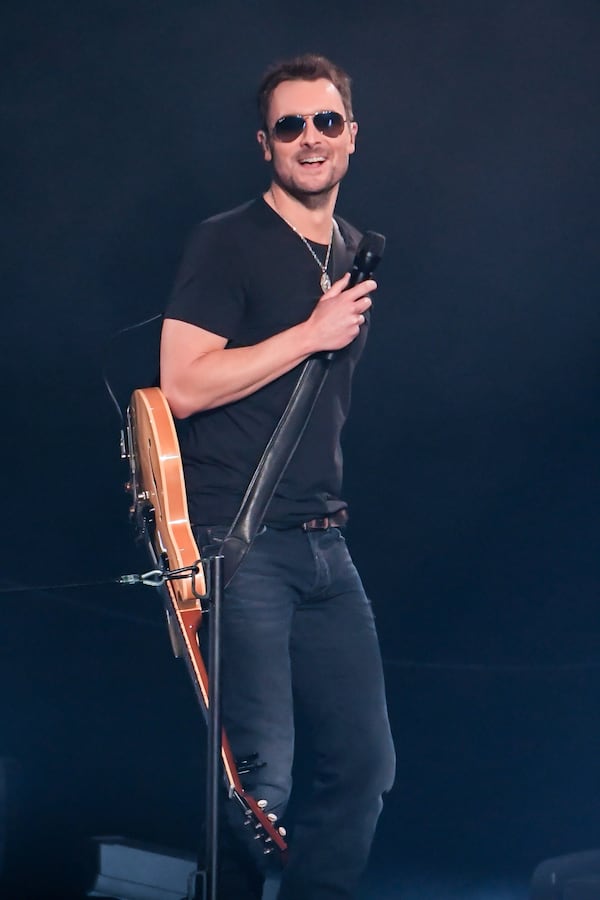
(322, 523)
(316, 524)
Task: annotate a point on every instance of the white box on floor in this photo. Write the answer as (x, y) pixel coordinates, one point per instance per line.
(131, 870)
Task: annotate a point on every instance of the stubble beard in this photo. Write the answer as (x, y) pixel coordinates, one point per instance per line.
(311, 199)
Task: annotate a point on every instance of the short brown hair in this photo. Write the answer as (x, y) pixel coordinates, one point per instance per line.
(308, 67)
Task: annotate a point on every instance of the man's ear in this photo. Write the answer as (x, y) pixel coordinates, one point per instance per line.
(263, 139)
(353, 126)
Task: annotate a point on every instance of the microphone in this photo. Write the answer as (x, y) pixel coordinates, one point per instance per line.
(368, 255)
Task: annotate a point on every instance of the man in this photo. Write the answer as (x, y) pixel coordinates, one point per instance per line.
(251, 303)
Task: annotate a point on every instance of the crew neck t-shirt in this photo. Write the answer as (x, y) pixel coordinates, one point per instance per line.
(245, 275)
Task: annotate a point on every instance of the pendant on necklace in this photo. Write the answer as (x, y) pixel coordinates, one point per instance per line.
(325, 282)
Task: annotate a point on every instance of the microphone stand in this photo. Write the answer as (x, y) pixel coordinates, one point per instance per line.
(215, 566)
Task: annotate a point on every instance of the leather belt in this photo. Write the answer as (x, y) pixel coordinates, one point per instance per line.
(336, 520)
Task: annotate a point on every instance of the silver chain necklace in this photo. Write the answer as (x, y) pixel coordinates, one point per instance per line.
(325, 281)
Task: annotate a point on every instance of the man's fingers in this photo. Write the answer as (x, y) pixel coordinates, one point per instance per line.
(363, 289)
(338, 286)
(357, 291)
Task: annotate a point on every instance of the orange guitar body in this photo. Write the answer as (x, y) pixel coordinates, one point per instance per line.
(160, 513)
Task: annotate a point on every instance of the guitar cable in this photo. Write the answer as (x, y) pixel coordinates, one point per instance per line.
(154, 578)
(105, 379)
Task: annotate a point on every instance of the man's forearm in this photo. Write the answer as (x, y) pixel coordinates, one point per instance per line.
(222, 376)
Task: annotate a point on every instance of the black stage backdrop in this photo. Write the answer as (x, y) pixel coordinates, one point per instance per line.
(472, 454)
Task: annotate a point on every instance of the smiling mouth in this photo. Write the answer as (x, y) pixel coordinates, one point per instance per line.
(312, 161)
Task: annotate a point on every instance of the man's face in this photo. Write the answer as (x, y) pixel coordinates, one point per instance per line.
(311, 164)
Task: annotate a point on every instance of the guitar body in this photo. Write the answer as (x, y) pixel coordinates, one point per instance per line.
(158, 482)
(160, 514)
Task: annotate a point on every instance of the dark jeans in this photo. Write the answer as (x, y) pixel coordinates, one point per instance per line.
(299, 648)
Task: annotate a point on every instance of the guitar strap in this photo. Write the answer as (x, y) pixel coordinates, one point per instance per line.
(284, 440)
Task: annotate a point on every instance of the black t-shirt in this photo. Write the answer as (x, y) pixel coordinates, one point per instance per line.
(246, 276)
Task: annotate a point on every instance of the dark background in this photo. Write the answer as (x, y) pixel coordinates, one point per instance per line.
(471, 457)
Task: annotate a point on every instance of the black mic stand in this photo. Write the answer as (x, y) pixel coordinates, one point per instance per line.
(214, 723)
(208, 877)
(203, 882)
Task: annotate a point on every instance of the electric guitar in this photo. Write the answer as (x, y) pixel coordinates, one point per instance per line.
(159, 513)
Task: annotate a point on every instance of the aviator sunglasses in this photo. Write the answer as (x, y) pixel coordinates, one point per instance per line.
(288, 128)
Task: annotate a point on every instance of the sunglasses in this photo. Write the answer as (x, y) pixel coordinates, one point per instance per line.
(288, 128)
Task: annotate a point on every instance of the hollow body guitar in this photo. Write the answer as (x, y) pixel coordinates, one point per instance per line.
(160, 515)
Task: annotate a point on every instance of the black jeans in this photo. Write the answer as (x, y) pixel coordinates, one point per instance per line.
(299, 645)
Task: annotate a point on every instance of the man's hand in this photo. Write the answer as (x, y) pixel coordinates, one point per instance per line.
(198, 373)
(336, 319)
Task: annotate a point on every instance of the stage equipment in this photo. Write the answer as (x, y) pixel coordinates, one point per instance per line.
(575, 876)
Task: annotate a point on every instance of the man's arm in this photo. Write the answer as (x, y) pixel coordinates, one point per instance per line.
(198, 373)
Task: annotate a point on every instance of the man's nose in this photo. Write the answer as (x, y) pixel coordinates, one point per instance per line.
(310, 133)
